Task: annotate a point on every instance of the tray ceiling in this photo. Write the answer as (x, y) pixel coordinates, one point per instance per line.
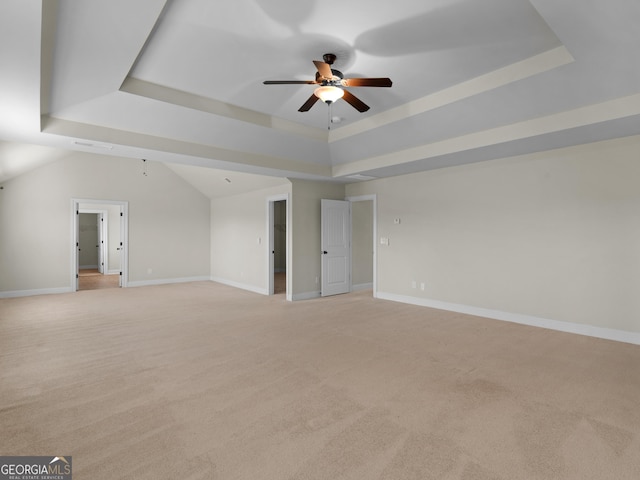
(181, 81)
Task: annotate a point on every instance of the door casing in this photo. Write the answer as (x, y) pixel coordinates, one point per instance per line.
(124, 237)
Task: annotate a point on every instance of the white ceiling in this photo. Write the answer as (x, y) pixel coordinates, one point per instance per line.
(180, 81)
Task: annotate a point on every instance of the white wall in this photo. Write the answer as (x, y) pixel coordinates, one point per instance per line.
(551, 236)
(237, 222)
(168, 222)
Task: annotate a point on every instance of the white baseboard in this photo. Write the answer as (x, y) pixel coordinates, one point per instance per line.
(361, 286)
(568, 327)
(113, 272)
(165, 281)
(243, 286)
(40, 291)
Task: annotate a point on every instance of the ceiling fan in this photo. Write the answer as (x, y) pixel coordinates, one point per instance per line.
(331, 83)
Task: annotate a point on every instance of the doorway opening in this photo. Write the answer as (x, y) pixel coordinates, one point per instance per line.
(93, 248)
(363, 245)
(99, 245)
(280, 247)
(279, 278)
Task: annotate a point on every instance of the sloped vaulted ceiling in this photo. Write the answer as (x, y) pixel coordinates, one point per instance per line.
(181, 81)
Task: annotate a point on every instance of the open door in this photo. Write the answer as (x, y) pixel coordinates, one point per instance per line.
(336, 247)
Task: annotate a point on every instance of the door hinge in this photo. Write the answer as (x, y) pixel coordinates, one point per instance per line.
(120, 273)
(77, 276)
(121, 214)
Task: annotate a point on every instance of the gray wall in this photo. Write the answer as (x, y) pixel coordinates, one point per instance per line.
(362, 244)
(237, 222)
(239, 238)
(553, 235)
(306, 226)
(168, 221)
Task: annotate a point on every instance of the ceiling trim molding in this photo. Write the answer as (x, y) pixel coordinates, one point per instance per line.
(601, 112)
(47, 48)
(134, 86)
(529, 67)
(109, 136)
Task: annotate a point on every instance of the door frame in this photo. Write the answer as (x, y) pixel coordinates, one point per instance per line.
(269, 244)
(374, 199)
(124, 237)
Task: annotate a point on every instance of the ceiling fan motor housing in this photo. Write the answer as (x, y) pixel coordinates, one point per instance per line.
(331, 83)
(334, 81)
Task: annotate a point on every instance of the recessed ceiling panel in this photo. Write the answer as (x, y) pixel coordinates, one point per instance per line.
(225, 50)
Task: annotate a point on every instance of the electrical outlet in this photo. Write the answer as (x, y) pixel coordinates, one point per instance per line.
(422, 286)
(396, 221)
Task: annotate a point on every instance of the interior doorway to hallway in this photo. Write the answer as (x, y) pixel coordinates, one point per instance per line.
(280, 247)
(279, 280)
(100, 241)
(364, 246)
(93, 250)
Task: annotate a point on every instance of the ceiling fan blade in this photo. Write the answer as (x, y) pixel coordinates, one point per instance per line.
(324, 69)
(367, 82)
(355, 102)
(290, 82)
(308, 104)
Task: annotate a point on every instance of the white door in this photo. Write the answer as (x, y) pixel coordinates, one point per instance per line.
(336, 247)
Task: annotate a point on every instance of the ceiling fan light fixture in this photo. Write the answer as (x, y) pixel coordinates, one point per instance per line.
(329, 93)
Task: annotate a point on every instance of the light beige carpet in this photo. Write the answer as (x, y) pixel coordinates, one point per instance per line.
(203, 381)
